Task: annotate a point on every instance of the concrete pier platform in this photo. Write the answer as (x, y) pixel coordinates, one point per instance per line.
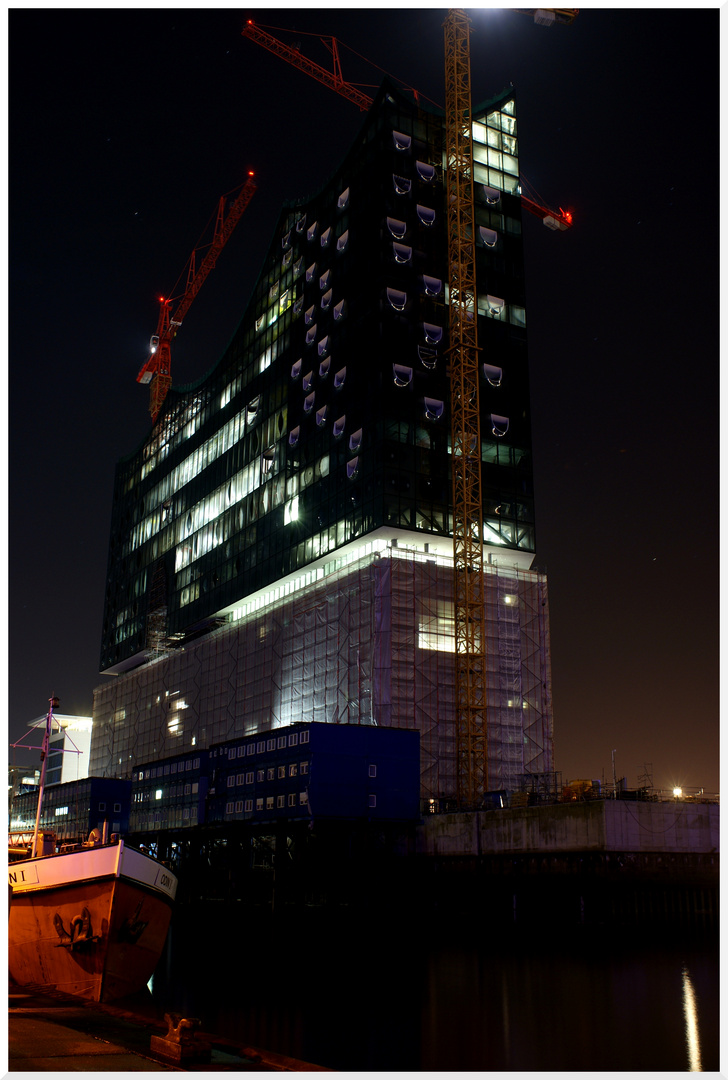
(53, 1032)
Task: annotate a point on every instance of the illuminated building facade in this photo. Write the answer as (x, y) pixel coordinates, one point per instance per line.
(312, 465)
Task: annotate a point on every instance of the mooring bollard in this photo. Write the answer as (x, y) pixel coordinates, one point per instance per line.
(179, 1044)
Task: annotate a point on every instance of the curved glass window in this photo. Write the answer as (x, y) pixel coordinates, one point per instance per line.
(355, 440)
(402, 253)
(296, 369)
(493, 374)
(433, 285)
(425, 171)
(396, 227)
(352, 468)
(298, 266)
(339, 425)
(326, 299)
(298, 306)
(325, 280)
(307, 381)
(311, 272)
(312, 230)
(286, 240)
(433, 334)
(427, 356)
(310, 315)
(273, 292)
(499, 424)
(426, 215)
(340, 378)
(488, 236)
(326, 238)
(321, 415)
(323, 346)
(311, 334)
(340, 310)
(401, 141)
(401, 184)
(434, 408)
(301, 224)
(402, 375)
(492, 195)
(397, 298)
(495, 305)
(324, 367)
(293, 436)
(342, 241)
(309, 402)
(343, 199)
(287, 258)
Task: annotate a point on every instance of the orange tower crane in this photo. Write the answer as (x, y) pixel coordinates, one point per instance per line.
(156, 369)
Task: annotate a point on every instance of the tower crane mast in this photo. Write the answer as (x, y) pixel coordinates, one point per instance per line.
(157, 368)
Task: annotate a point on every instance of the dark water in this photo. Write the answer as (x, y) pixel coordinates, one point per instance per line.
(357, 993)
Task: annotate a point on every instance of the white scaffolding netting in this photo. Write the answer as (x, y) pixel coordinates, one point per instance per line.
(371, 643)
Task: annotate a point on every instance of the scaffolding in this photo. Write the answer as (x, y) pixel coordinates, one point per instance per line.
(372, 642)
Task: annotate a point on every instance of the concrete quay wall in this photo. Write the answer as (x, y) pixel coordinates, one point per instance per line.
(599, 826)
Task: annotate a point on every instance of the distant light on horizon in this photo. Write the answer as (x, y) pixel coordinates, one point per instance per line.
(677, 792)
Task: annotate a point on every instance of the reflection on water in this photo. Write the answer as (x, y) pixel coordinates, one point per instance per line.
(350, 994)
(692, 1037)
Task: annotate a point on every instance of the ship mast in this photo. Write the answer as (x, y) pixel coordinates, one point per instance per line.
(52, 703)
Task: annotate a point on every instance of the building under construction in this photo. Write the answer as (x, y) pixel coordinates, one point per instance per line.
(282, 541)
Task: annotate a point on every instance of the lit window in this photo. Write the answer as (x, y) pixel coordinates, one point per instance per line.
(307, 382)
(311, 335)
(340, 378)
(326, 300)
(281, 772)
(326, 238)
(495, 306)
(355, 440)
(253, 407)
(425, 171)
(309, 402)
(325, 280)
(339, 310)
(488, 236)
(298, 306)
(290, 513)
(426, 215)
(298, 266)
(396, 227)
(493, 374)
(433, 334)
(401, 184)
(158, 794)
(303, 798)
(401, 142)
(248, 806)
(343, 199)
(323, 346)
(402, 375)
(321, 415)
(286, 240)
(339, 425)
(259, 804)
(397, 299)
(292, 799)
(311, 271)
(301, 224)
(342, 241)
(260, 322)
(324, 367)
(311, 233)
(427, 356)
(304, 738)
(352, 468)
(499, 424)
(269, 802)
(296, 369)
(310, 315)
(402, 253)
(434, 408)
(287, 259)
(273, 292)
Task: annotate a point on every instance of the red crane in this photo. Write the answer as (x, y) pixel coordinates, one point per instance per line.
(552, 219)
(156, 369)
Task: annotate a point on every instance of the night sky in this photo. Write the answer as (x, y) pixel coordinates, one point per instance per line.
(125, 128)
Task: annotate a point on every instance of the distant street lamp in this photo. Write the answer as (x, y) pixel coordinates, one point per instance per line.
(677, 792)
